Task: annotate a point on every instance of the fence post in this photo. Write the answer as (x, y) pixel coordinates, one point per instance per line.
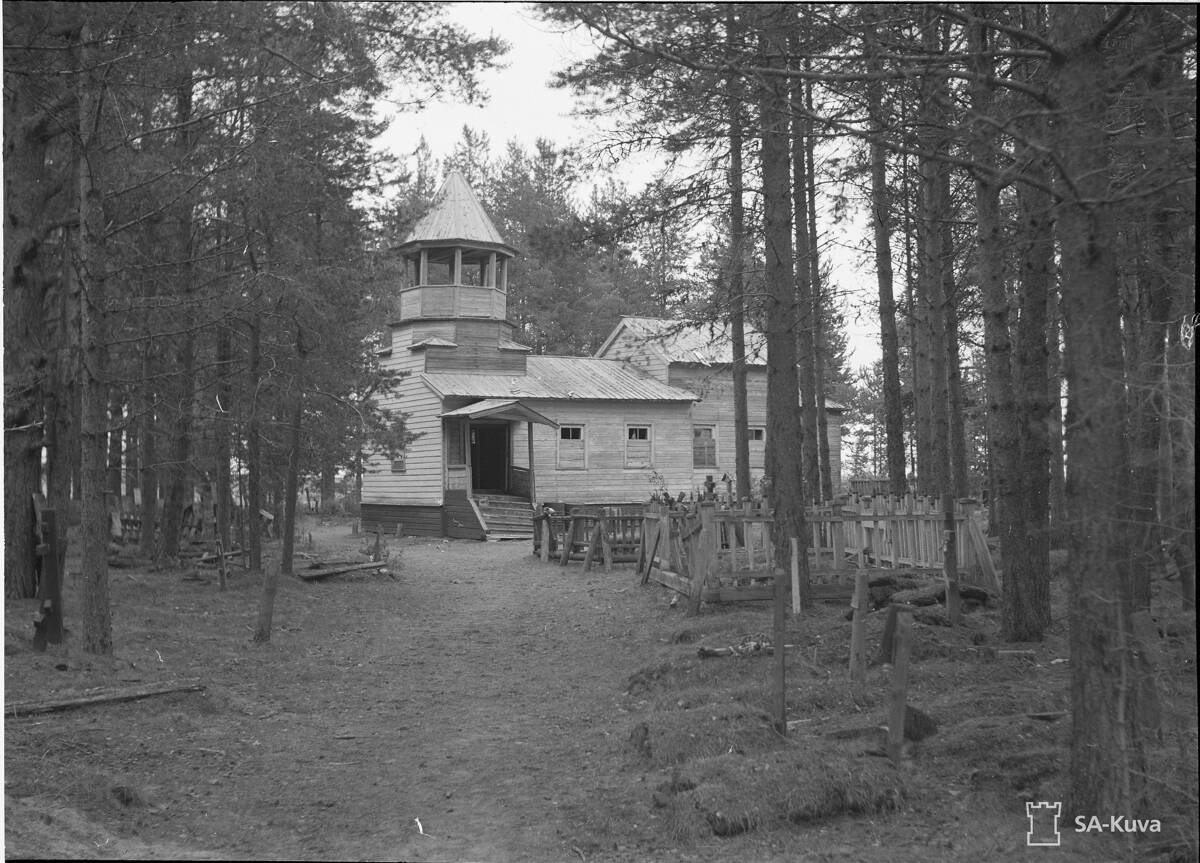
(546, 529)
(606, 543)
(569, 539)
(798, 589)
(858, 629)
(48, 622)
(780, 636)
(222, 570)
(950, 555)
(706, 555)
(899, 690)
(593, 544)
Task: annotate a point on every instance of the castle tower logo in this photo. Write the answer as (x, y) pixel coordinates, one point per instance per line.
(1043, 824)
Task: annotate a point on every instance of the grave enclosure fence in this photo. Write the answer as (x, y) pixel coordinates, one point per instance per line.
(717, 553)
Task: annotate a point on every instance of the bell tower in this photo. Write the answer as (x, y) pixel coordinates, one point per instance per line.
(454, 290)
(455, 261)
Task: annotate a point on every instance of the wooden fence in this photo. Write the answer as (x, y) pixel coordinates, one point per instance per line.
(612, 533)
(898, 532)
(730, 551)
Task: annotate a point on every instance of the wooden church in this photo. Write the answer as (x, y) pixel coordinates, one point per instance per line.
(501, 430)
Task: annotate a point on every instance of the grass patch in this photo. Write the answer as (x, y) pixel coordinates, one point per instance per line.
(727, 795)
(669, 738)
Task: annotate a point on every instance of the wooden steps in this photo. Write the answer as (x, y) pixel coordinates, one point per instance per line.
(505, 516)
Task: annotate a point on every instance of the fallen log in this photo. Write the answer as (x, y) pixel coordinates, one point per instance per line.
(212, 558)
(17, 709)
(128, 562)
(318, 574)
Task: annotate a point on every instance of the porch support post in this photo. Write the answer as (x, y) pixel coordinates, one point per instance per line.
(467, 455)
(532, 475)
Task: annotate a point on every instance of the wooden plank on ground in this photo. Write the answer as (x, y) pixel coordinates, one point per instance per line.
(318, 574)
(678, 583)
(983, 554)
(17, 709)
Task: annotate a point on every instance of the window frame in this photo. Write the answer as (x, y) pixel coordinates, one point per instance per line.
(582, 438)
(696, 465)
(649, 439)
(756, 439)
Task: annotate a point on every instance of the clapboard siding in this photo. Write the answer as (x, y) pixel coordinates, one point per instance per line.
(606, 478)
(481, 334)
(421, 482)
(406, 520)
(715, 386)
(474, 359)
(424, 330)
(452, 301)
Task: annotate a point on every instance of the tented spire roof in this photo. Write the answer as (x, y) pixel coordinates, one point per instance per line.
(457, 218)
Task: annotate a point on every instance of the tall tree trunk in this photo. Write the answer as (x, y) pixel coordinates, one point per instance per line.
(1160, 232)
(1055, 424)
(959, 476)
(266, 606)
(783, 396)
(922, 348)
(62, 420)
(889, 337)
(1002, 417)
(1172, 269)
(936, 264)
(223, 431)
(96, 613)
(180, 493)
(737, 263)
(1108, 758)
(805, 251)
(26, 279)
(292, 486)
(918, 352)
(1179, 444)
(1030, 556)
(254, 465)
(148, 437)
(934, 467)
(819, 318)
(1020, 467)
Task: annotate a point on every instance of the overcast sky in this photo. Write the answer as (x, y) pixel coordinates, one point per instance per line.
(520, 104)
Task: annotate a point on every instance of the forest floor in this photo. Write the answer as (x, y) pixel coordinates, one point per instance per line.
(477, 704)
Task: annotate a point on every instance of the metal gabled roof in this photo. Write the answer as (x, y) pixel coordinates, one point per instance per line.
(505, 409)
(561, 378)
(696, 344)
(456, 218)
(699, 344)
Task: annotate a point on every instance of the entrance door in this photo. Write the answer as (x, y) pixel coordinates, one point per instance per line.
(489, 457)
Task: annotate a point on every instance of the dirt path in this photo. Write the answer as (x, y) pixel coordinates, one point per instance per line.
(467, 710)
(494, 678)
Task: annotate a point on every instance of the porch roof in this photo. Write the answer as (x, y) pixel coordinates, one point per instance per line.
(503, 409)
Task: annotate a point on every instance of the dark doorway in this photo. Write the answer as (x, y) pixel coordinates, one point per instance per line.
(489, 457)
